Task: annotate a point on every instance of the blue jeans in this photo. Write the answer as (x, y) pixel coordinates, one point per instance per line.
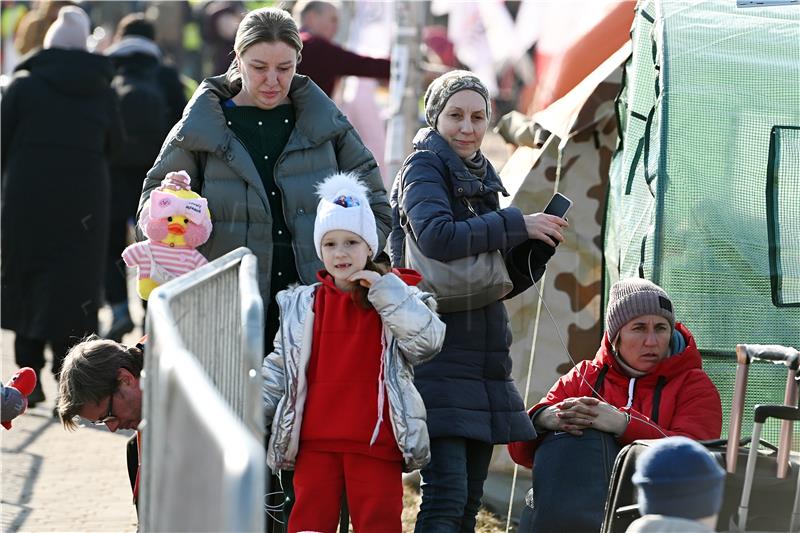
(452, 485)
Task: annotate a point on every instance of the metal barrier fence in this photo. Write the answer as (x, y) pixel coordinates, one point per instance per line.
(203, 461)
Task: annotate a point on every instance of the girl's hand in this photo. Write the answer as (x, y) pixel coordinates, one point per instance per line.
(364, 277)
(546, 228)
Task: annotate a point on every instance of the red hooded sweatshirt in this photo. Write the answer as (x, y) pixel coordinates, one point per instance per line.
(687, 403)
(341, 409)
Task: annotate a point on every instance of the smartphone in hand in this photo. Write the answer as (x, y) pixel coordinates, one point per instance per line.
(558, 205)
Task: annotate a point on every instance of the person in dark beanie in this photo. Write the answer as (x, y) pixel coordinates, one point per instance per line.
(679, 488)
(60, 123)
(645, 382)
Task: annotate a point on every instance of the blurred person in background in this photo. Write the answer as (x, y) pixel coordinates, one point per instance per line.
(60, 122)
(35, 23)
(324, 61)
(150, 102)
(219, 23)
(170, 18)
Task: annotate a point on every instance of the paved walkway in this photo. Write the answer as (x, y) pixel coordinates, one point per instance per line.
(59, 480)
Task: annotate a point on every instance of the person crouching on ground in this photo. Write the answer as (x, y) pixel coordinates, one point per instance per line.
(646, 382)
(339, 386)
(99, 382)
(679, 488)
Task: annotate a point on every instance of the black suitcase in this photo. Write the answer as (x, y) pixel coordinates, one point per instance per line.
(761, 487)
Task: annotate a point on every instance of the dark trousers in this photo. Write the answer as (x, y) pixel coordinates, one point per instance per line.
(452, 485)
(116, 282)
(30, 352)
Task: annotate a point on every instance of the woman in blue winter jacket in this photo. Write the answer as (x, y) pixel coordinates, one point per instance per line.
(469, 394)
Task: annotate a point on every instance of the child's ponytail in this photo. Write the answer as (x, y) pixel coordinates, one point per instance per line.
(359, 292)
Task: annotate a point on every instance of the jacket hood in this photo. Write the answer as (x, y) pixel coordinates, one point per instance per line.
(204, 129)
(134, 44)
(429, 139)
(409, 276)
(72, 72)
(671, 366)
(136, 64)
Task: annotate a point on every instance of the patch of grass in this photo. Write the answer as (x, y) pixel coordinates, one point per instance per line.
(487, 522)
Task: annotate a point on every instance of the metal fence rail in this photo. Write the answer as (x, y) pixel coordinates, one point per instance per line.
(203, 462)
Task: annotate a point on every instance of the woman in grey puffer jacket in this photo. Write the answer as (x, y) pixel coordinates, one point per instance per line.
(256, 142)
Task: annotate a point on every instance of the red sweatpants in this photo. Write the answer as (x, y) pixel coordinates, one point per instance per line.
(374, 492)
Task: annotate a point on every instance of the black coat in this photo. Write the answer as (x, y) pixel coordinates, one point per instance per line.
(145, 116)
(467, 387)
(59, 120)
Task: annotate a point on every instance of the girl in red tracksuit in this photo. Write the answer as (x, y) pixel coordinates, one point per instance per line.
(338, 388)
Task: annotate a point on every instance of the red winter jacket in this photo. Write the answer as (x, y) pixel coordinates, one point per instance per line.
(688, 405)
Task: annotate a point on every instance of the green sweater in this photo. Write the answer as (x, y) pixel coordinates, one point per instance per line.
(264, 133)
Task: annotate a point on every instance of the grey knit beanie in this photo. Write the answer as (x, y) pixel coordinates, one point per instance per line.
(634, 297)
(442, 88)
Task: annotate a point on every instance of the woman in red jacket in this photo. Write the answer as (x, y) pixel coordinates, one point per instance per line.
(646, 382)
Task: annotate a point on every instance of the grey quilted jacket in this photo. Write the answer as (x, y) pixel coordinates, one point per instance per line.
(322, 143)
(413, 334)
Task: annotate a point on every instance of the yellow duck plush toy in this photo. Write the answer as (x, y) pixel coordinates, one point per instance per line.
(175, 221)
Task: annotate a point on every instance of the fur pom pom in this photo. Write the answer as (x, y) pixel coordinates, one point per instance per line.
(343, 184)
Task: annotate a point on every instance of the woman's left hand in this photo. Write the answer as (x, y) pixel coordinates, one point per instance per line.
(364, 277)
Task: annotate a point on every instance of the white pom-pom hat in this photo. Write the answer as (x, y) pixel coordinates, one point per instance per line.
(344, 205)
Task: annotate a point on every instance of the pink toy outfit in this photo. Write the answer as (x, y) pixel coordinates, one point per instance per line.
(161, 262)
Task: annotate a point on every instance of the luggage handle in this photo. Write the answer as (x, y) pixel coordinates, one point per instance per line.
(782, 412)
(774, 353)
(745, 354)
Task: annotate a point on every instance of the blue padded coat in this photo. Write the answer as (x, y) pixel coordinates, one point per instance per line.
(467, 388)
